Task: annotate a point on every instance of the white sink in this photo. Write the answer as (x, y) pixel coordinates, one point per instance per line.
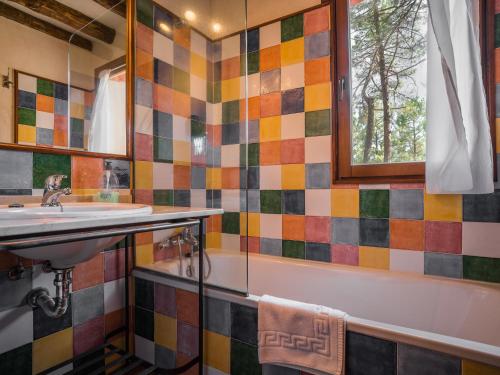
(67, 255)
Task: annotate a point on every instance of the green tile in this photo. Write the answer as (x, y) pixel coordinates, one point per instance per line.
(45, 165)
(253, 154)
(481, 268)
(270, 201)
(374, 203)
(163, 197)
(26, 116)
(244, 359)
(162, 149)
(197, 129)
(243, 155)
(145, 12)
(231, 222)
(292, 27)
(497, 30)
(217, 92)
(318, 123)
(253, 62)
(44, 87)
(243, 63)
(231, 112)
(294, 249)
(180, 80)
(210, 92)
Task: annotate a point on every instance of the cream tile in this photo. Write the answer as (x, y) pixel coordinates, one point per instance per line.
(230, 47)
(407, 261)
(181, 129)
(163, 176)
(318, 202)
(292, 76)
(214, 114)
(230, 200)
(481, 239)
(270, 226)
(114, 295)
(198, 198)
(198, 87)
(270, 177)
(44, 120)
(77, 96)
(230, 156)
(198, 44)
(254, 85)
(26, 83)
(293, 126)
(270, 35)
(143, 120)
(163, 48)
(182, 151)
(318, 149)
(230, 242)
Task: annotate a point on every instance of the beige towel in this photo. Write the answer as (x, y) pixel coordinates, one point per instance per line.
(300, 335)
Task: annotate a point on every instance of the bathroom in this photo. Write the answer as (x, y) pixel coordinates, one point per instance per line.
(181, 177)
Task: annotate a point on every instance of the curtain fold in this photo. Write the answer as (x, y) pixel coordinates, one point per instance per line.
(459, 157)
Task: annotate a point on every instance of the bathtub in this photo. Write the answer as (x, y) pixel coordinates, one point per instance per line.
(457, 317)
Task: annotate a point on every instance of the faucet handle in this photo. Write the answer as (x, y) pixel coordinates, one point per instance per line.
(54, 181)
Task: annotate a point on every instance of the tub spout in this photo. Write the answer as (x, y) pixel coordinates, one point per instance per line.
(53, 307)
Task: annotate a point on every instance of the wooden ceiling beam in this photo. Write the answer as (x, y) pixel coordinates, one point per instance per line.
(26, 19)
(120, 9)
(71, 17)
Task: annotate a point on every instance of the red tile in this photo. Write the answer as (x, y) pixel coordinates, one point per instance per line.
(292, 151)
(144, 196)
(317, 229)
(317, 20)
(144, 37)
(86, 172)
(214, 135)
(407, 234)
(254, 245)
(345, 254)
(164, 253)
(230, 68)
(182, 359)
(497, 6)
(60, 131)
(163, 98)
(88, 335)
(270, 104)
(243, 244)
(182, 177)
(165, 300)
(143, 144)
(89, 273)
(187, 306)
(443, 237)
(114, 264)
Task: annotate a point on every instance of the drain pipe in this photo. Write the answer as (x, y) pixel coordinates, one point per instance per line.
(53, 307)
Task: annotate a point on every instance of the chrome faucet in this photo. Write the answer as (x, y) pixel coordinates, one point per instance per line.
(52, 191)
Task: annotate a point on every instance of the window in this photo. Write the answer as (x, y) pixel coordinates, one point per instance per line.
(380, 67)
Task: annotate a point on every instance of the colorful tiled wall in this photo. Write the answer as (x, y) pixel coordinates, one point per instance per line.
(166, 333)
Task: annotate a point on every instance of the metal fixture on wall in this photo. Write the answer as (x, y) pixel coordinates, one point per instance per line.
(6, 82)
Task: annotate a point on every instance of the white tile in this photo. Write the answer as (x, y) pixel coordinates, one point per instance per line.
(270, 177)
(318, 202)
(198, 198)
(63, 370)
(145, 349)
(318, 149)
(230, 155)
(43, 279)
(374, 186)
(481, 239)
(292, 76)
(44, 120)
(26, 83)
(16, 328)
(163, 48)
(181, 129)
(230, 242)
(407, 261)
(253, 85)
(114, 295)
(143, 120)
(214, 113)
(198, 44)
(163, 176)
(198, 87)
(293, 126)
(230, 200)
(271, 226)
(230, 47)
(270, 35)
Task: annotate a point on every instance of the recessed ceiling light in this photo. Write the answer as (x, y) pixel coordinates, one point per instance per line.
(190, 15)
(216, 27)
(164, 27)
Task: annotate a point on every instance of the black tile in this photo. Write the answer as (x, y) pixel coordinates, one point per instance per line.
(482, 207)
(253, 178)
(243, 180)
(198, 110)
(217, 71)
(144, 294)
(318, 251)
(243, 42)
(163, 22)
(182, 198)
(279, 370)
(61, 91)
(253, 40)
(244, 323)
(15, 191)
(26, 99)
(244, 359)
(95, 356)
(144, 323)
(213, 198)
(17, 361)
(292, 101)
(44, 325)
(367, 355)
(418, 361)
(294, 202)
(162, 73)
(230, 134)
(374, 232)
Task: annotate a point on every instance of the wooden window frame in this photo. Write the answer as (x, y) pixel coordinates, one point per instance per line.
(343, 170)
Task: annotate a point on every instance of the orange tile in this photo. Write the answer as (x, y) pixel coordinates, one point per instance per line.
(44, 103)
(114, 320)
(270, 153)
(230, 68)
(317, 71)
(60, 131)
(182, 104)
(187, 306)
(182, 36)
(293, 227)
(144, 64)
(407, 234)
(86, 172)
(163, 98)
(144, 37)
(144, 238)
(89, 96)
(182, 177)
(8, 260)
(292, 151)
(270, 104)
(254, 108)
(89, 273)
(214, 223)
(231, 178)
(317, 20)
(270, 58)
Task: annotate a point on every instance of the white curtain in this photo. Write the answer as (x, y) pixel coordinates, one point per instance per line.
(108, 121)
(459, 155)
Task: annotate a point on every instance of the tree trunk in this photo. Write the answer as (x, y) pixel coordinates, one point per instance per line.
(370, 123)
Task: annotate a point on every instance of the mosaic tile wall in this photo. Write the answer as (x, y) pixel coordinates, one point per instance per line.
(166, 333)
(42, 113)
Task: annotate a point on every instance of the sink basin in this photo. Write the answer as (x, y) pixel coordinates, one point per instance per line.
(69, 254)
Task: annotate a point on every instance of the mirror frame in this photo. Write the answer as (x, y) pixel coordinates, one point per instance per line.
(130, 72)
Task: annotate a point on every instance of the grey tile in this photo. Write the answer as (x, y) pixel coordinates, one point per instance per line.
(317, 45)
(253, 131)
(181, 57)
(76, 133)
(270, 81)
(292, 101)
(244, 323)
(253, 200)
(318, 176)
(318, 251)
(293, 202)
(162, 124)
(270, 246)
(88, 304)
(164, 357)
(198, 177)
(418, 361)
(278, 370)
(144, 92)
(11, 163)
(230, 134)
(44, 136)
(61, 107)
(345, 231)
(407, 204)
(218, 316)
(243, 197)
(14, 292)
(441, 264)
(198, 110)
(481, 207)
(366, 355)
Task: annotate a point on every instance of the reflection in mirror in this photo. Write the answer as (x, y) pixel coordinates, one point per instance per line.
(64, 95)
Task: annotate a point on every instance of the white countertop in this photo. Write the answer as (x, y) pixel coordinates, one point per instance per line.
(24, 227)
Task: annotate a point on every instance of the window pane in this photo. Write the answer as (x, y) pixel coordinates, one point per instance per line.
(388, 80)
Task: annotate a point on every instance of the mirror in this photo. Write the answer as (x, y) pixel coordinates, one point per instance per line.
(64, 75)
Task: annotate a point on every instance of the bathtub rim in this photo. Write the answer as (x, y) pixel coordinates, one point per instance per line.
(461, 348)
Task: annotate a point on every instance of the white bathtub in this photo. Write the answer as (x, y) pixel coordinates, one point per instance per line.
(453, 316)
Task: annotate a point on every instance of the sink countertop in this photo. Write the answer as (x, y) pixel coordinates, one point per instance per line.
(29, 227)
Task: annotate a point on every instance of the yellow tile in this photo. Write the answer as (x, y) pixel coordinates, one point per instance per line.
(253, 224)
(293, 177)
(443, 207)
(144, 255)
(230, 89)
(270, 128)
(345, 202)
(292, 52)
(166, 331)
(182, 152)
(52, 350)
(214, 178)
(198, 65)
(77, 110)
(374, 257)
(476, 368)
(144, 175)
(217, 351)
(497, 136)
(213, 240)
(317, 97)
(26, 134)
